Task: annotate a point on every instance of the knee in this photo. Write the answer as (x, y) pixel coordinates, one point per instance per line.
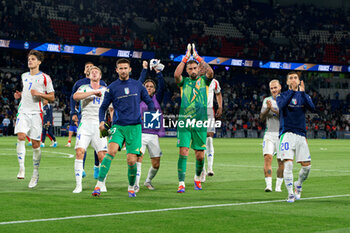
(21, 137)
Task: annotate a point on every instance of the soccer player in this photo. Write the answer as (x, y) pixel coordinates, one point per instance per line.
(150, 137)
(75, 115)
(126, 95)
(193, 109)
(90, 97)
(292, 105)
(48, 125)
(270, 113)
(214, 87)
(36, 87)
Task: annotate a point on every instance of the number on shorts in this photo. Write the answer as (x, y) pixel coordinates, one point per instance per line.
(284, 146)
(97, 100)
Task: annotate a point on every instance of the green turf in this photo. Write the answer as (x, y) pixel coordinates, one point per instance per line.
(238, 178)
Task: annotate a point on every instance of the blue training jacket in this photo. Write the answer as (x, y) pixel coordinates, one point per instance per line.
(126, 97)
(292, 106)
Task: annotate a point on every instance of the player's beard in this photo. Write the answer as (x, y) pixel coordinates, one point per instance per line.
(194, 75)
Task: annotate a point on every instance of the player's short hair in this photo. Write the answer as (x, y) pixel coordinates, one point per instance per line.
(274, 81)
(37, 54)
(96, 68)
(150, 80)
(191, 62)
(89, 62)
(122, 61)
(293, 72)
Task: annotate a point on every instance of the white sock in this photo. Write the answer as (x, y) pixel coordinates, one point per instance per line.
(279, 182)
(21, 153)
(100, 183)
(36, 161)
(78, 169)
(268, 181)
(197, 178)
(288, 176)
(138, 173)
(210, 153)
(303, 174)
(182, 183)
(130, 188)
(152, 172)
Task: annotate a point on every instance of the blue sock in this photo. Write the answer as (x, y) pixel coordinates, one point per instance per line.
(97, 162)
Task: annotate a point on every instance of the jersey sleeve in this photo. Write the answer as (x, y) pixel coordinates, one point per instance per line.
(48, 84)
(107, 100)
(207, 80)
(217, 88)
(81, 89)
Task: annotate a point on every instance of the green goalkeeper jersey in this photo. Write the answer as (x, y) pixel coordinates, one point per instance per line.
(194, 95)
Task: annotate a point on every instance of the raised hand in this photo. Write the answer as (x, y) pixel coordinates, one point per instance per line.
(97, 93)
(269, 104)
(195, 54)
(144, 64)
(187, 55)
(17, 94)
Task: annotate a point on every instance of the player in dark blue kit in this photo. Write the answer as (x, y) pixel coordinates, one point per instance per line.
(75, 115)
(293, 105)
(126, 95)
(48, 125)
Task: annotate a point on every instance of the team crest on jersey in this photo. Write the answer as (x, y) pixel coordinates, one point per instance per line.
(294, 101)
(126, 90)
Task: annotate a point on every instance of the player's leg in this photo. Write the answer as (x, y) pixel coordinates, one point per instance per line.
(96, 165)
(43, 137)
(155, 154)
(133, 139)
(199, 168)
(71, 130)
(100, 145)
(287, 151)
(138, 173)
(21, 129)
(36, 162)
(279, 180)
(115, 143)
(78, 168)
(210, 153)
(21, 154)
(183, 142)
(304, 158)
(52, 136)
(199, 136)
(268, 172)
(29, 141)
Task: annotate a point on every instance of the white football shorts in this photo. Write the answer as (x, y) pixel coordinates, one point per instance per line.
(271, 144)
(293, 144)
(151, 142)
(90, 133)
(30, 124)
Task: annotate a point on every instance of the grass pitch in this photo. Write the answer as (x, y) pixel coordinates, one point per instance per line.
(231, 201)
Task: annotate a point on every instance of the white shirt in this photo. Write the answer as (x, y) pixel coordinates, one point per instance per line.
(41, 82)
(214, 87)
(90, 106)
(272, 120)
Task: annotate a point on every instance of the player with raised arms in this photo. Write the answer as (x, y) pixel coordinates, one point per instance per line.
(126, 95)
(150, 136)
(270, 114)
(90, 97)
(36, 87)
(194, 101)
(293, 105)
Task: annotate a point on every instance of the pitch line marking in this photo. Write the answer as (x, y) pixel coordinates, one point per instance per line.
(51, 152)
(164, 210)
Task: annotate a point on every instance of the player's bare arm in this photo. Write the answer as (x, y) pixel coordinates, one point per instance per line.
(264, 113)
(181, 66)
(50, 96)
(83, 95)
(206, 69)
(219, 100)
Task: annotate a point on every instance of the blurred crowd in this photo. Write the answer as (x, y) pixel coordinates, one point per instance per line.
(243, 91)
(265, 31)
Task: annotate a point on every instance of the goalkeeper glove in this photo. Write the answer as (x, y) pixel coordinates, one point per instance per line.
(187, 55)
(107, 130)
(195, 54)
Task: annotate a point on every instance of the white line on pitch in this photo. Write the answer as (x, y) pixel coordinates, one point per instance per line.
(164, 210)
